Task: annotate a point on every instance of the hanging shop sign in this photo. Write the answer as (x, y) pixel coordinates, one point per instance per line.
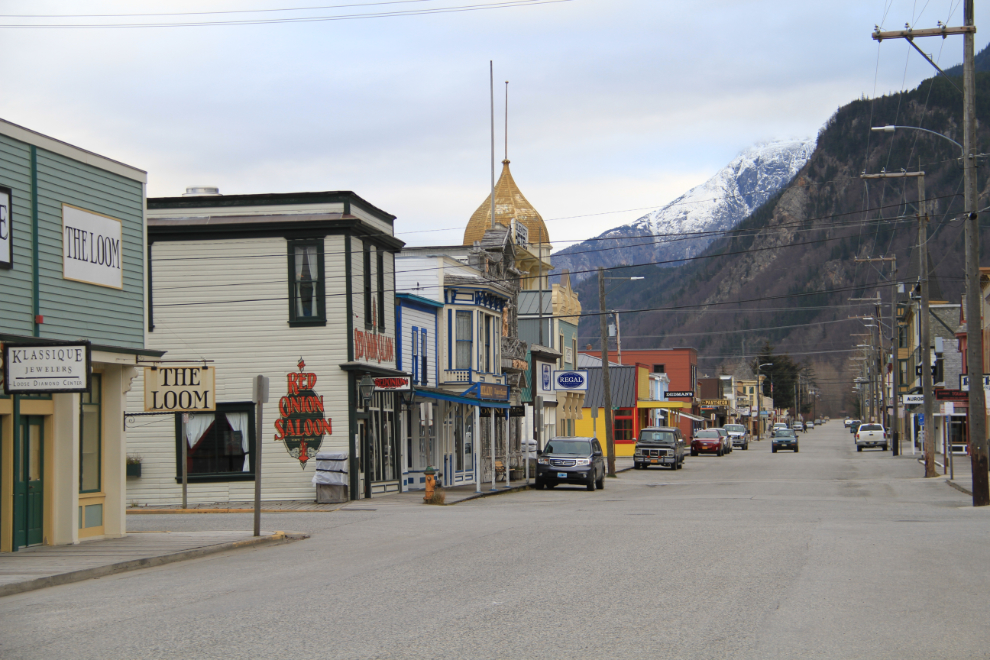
(302, 424)
(575, 381)
(912, 399)
(393, 384)
(714, 403)
(546, 378)
(6, 241)
(180, 389)
(46, 369)
(92, 248)
(680, 395)
(964, 383)
(493, 392)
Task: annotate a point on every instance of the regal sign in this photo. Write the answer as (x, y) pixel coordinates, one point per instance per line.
(301, 424)
(46, 368)
(573, 381)
(179, 389)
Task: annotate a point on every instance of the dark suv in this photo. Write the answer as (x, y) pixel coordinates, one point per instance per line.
(660, 445)
(571, 461)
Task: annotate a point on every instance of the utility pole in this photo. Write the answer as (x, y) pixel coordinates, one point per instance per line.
(606, 382)
(974, 317)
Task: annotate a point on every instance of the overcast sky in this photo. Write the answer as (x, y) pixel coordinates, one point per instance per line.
(613, 104)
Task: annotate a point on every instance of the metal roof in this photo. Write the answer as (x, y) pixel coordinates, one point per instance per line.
(623, 381)
(529, 303)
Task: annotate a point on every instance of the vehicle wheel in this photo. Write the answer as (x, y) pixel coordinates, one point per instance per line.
(551, 486)
(746, 447)
(591, 483)
(795, 450)
(679, 464)
(773, 450)
(859, 449)
(539, 485)
(600, 484)
(720, 452)
(694, 453)
(885, 447)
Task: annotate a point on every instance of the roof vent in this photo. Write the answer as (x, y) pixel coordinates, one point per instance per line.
(201, 191)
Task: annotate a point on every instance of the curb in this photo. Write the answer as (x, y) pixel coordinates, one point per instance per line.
(958, 487)
(476, 496)
(144, 562)
(143, 511)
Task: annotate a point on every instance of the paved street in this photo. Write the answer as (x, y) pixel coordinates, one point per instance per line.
(828, 553)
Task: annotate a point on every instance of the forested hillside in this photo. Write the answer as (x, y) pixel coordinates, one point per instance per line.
(786, 273)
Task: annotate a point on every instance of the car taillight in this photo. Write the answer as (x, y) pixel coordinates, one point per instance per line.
(857, 436)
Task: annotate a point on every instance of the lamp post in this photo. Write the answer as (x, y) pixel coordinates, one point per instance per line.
(606, 381)
(759, 398)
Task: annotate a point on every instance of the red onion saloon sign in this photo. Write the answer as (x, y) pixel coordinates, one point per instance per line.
(301, 424)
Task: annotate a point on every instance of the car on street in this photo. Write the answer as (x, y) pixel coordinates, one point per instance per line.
(707, 441)
(726, 440)
(572, 461)
(811, 424)
(779, 425)
(660, 445)
(738, 435)
(848, 422)
(784, 439)
(855, 425)
(871, 435)
(797, 426)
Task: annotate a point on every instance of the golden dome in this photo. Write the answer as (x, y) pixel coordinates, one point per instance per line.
(509, 203)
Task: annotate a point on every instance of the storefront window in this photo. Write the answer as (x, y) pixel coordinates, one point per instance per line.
(219, 445)
(623, 427)
(424, 368)
(90, 435)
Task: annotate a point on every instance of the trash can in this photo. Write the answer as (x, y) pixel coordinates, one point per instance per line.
(331, 477)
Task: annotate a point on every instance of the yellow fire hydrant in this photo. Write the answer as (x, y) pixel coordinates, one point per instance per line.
(431, 483)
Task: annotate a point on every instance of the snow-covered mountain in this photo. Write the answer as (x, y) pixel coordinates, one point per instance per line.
(681, 228)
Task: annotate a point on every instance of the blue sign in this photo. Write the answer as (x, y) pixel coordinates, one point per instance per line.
(546, 378)
(921, 419)
(575, 381)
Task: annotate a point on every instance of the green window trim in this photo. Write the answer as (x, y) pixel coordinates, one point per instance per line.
(306, 292)
(381, 288)
(91, 436)
(218, 477)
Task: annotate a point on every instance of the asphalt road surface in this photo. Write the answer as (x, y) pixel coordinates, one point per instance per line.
(828, 553)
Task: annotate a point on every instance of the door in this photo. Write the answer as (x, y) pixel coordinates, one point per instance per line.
(28, 483)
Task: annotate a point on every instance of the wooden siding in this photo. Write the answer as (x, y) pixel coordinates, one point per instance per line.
(71, 309)
(228, 301)
(412, 317)
(420, 276)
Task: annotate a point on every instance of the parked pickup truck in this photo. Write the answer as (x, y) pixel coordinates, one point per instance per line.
(660, 445)
(871, 435)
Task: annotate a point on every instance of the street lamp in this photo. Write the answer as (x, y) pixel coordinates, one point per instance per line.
(759, 400)
(366, 387)
(890, 129)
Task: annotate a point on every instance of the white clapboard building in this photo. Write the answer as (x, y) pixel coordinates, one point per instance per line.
(298, 287)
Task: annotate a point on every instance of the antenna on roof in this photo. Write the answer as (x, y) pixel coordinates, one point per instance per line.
(506, 120)
(491, 86)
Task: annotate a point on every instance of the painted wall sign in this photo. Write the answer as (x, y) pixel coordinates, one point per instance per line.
(373, 347)
(393, 383)
(680, 395)
(48, 368)
(574, 381)
(6, 219)
(301, 424)
(92, 248)
(180, 389)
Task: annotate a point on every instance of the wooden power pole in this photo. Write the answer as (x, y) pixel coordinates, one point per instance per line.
(606, 382)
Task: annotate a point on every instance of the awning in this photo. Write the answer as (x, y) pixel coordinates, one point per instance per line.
(663, 404)
(693, 417)
(430, 394)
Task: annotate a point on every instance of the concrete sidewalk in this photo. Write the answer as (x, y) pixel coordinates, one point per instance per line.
(38, 567)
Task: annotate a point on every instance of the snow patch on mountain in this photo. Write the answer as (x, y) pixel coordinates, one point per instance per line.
(665, 236)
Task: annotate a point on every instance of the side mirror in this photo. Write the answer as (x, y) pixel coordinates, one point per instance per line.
(538, 451)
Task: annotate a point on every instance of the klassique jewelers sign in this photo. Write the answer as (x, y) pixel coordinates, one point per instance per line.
(92, 248)
(46, 369)
(180, 389)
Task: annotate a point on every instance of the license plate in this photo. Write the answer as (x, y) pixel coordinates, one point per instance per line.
(561, 475)
(653, 460)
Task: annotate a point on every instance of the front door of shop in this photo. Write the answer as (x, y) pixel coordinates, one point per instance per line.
(28, 483)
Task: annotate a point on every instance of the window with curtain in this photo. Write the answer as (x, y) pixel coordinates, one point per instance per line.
(367, 286)
(423, 356)
(91, 436)
(464, 340)
(307, 305)
(219, 444)
(414, 358)
(380, 270)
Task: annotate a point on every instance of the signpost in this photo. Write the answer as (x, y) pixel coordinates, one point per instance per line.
(260, 397)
